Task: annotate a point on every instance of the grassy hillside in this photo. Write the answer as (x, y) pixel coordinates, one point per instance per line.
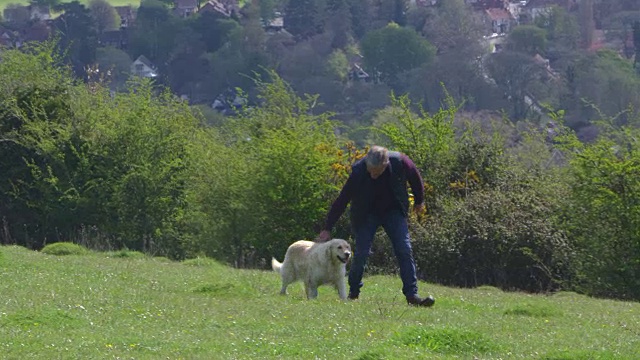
(101, 306)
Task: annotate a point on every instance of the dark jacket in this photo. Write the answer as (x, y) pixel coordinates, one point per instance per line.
(360, 190)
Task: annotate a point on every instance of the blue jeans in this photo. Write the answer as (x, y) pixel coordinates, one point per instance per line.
(395, 225)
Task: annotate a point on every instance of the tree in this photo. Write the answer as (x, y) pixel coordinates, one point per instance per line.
(338, 66)
(154, 32)
(387, 11)
(104, 15)
(117, 63)
(304, 18)
(452, 26)
(605, 187)
(107, 170)
(393, 49)
(587, 23)
(607, 82)
(518, 77)
(362, 17)
(636, 43)
(271, 142)
(339, 23)
(528, 39)
(78, 36)
(213, 31)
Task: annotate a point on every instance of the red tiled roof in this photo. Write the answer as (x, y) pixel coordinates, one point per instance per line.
(499, 14)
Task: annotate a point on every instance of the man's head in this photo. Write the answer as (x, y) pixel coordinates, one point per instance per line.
(377, 160)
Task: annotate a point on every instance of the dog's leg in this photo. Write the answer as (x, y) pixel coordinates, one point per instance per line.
(311, 289)
(285, 283)
(288, 277)
(342, 288)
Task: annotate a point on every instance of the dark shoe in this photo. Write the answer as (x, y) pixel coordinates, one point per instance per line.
(353, 296)
(418, 301)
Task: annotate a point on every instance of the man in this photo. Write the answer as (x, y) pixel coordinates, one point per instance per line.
(377, 190)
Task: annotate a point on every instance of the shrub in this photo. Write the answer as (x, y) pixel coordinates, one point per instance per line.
(64, 248)
(505, 239)
(126, 253)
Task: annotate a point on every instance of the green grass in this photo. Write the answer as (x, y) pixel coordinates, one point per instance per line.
(109, 306)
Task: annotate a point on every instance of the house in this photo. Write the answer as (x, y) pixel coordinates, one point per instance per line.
(19, 14)
(127, 15)
(115, 38)
(358, 74)
(544, 63)
(39, 12)
(275, 25)
(487, 4)
(185, 8)
(38, 31)
(143, 67)
(7, 37)
(536, 8)
(423, 3)
(16, 14)
(216, 7)
(500, 20)
(229, 102)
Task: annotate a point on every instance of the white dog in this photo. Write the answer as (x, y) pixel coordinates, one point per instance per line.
(315, 264)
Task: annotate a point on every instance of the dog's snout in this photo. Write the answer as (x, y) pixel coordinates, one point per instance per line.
(347, 254)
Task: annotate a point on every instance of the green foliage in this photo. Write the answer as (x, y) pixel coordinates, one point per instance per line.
(104, 15)
(116, 64)
(338, 65)
(426, 138)
(562, 29)
(78, 36)
(393, 50)
(603, 212)
(488, 221)
(64, 248)
(303, 18)
(265, 178)
(127, 254)
(81, 158)
(617, 76)
(507, 238)
(154, 32)
(529, 39)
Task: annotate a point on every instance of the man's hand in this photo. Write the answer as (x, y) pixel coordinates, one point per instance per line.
(324, 236)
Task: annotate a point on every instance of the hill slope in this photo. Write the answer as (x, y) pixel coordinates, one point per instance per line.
(101, 306)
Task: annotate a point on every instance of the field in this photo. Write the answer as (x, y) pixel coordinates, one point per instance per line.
(135, 3)
(127, 306)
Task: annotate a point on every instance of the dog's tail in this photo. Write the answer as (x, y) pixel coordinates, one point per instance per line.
(276, 265)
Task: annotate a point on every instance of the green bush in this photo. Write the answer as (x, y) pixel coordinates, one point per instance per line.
(127, 254)
(64, 248)
(603, 215)
(505, 239)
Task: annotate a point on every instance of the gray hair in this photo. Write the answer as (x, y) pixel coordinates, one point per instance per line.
(377, 156)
